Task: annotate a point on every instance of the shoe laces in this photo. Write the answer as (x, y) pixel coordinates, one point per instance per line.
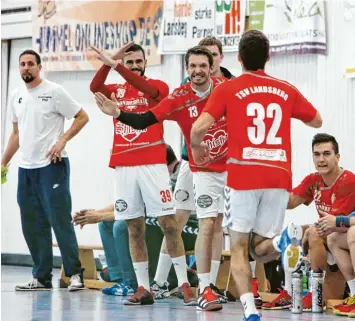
(33, 283)
(350, 300)
(75, 278)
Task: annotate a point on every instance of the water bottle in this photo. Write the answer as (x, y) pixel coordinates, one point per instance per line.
(317, 291)
(296, 286)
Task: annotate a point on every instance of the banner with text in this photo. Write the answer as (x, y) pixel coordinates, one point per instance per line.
(293, 27)
(349, 29)
(186, 22)
(63, 31)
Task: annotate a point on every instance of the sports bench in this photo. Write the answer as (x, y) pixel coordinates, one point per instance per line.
(334, 283)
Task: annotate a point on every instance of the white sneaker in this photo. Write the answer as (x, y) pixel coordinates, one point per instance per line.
(76, 283)
(35, 285)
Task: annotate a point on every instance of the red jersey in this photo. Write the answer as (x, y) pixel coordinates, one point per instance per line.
(258, 110)
(337, 199)
(133, 147)
(184, 107)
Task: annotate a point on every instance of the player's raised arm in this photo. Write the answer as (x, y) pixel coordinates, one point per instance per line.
(157, 90)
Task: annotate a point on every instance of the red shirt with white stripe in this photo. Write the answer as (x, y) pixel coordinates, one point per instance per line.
(337, 199)
(133, 147)
(258, 109)
(184, 107)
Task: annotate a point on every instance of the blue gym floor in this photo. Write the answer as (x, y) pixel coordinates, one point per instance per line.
(60, 305)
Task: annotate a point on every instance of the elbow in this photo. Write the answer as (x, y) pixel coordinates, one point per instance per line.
(317, 122)
(94, 88)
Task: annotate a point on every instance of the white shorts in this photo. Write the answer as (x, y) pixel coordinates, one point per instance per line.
(184, 189)
(261, 211)
(140, 188)
(209, 189)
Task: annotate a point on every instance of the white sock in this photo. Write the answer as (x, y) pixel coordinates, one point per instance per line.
(214, 271)
(248, 303)
(180, 269)
(275, 242)
(141, 269)
(253, 267)
(288, 283)
(204, 280)
(351, 284)
(163, 269)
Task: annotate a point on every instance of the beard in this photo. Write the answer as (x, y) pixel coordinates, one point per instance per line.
(28, 78)
(141, 71)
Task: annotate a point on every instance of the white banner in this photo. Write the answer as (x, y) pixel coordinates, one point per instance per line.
(349, 29)
(186, 22)
(293, 27)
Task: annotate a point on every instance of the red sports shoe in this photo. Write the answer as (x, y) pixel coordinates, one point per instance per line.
(208, 301)
(185, 293)
(347, 308)
(282, 302)
(257, 299)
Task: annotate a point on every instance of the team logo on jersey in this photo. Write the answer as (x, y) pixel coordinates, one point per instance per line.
(332, 198)
(120, 92)
(127, 132)
(182, 195)
(121, 205)
(216, 141)
(204, 201)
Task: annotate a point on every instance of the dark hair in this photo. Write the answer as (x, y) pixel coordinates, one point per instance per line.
(325, 138)
(135, 48)
(254, 50)
(170, 155)
(198, 50)
(211, 41)
(31, 52)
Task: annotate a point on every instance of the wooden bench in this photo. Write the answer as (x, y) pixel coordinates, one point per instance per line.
(87, 259)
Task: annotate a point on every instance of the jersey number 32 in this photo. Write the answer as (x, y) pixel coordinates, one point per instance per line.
(258, 133)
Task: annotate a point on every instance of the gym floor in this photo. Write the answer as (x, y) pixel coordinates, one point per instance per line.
(91, 305)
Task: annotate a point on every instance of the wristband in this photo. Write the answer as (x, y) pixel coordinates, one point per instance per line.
(342, 221)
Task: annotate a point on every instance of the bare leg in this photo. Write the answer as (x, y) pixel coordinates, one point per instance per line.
(175, 246)
(217, 243)
(338, 245)
(241, 271)
(182, 216)
(318, 252)
(261, 249)
(138, 249)
(137, 246)
(203, 246)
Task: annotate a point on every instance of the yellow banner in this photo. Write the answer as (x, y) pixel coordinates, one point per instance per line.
(63, 31)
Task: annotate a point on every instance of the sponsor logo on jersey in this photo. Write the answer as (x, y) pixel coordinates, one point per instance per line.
(264, 154)
(204, 201)
(121, 205)
(127, 132)
(216, 141)
(182, 195)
